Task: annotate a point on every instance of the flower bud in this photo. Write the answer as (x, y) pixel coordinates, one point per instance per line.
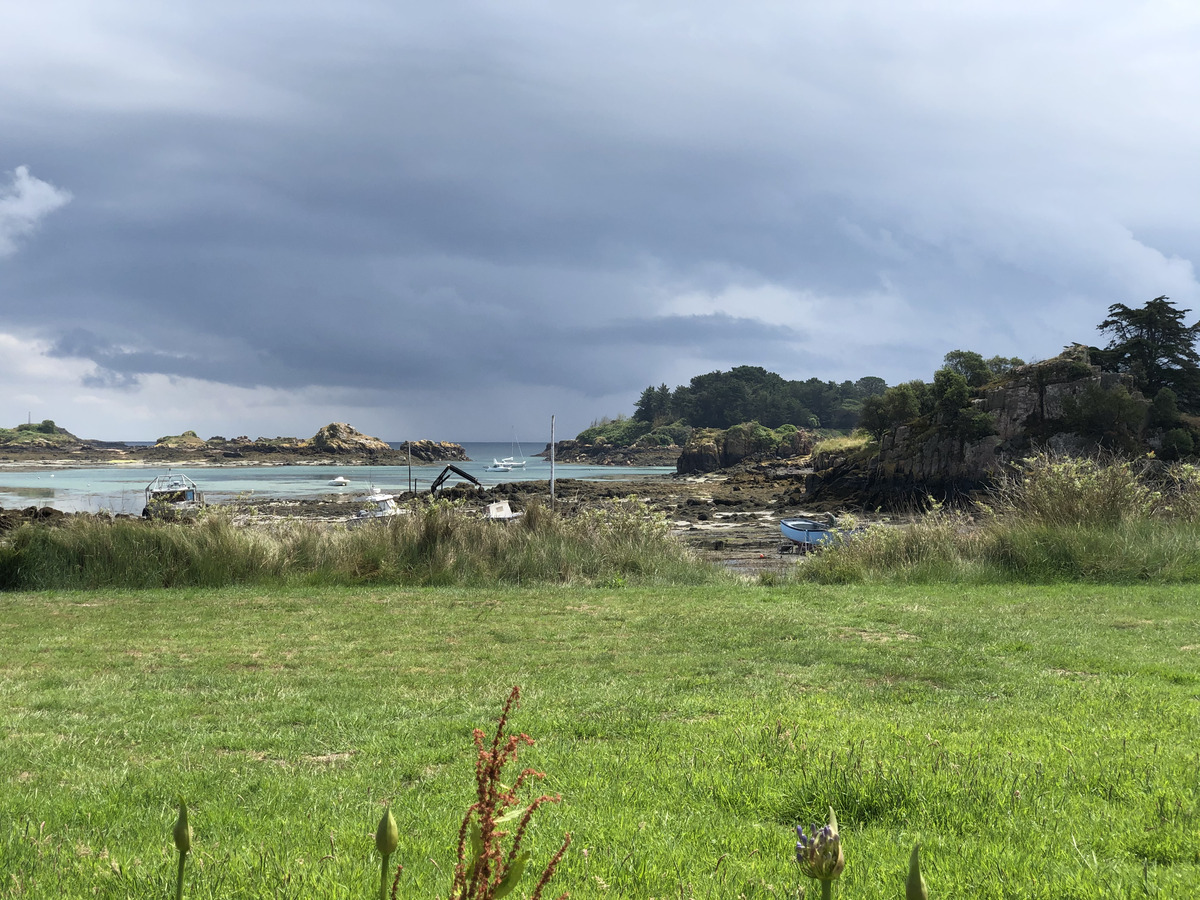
(387, 835)
(914, 885)
(820, 856)
(183, 831)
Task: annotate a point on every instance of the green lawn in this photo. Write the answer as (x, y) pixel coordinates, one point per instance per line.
(1040, 742)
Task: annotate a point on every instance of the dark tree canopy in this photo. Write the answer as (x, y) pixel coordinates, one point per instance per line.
(977, 370)
(970, 365)
(752, 394)
(1156, 347)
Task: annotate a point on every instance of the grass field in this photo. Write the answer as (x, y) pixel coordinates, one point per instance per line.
(1040, 742)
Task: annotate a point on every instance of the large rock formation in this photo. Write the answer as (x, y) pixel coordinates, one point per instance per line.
(431, 451)
(338, 437)
(1028, 408)
(189, 440)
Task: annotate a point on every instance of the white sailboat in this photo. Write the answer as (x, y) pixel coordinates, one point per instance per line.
(511, 461)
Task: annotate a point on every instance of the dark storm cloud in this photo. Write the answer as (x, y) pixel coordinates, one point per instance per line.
(407, 198)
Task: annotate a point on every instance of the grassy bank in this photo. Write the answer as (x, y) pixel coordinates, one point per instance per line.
(436, 543)
(1057, 519)
(1039, 742)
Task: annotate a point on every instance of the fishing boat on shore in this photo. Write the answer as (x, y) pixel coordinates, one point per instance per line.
(807, 533)
(377, 507)
(172, 496)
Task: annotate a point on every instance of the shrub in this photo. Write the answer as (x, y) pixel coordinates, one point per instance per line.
(1113, 418)
(1055, 489)
(1177, 443)
(1164, 410)
(619, 432)
(951, 391)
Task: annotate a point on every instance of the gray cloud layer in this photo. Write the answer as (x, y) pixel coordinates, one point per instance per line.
(540, 201)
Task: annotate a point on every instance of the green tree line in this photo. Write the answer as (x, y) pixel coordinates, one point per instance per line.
(1152, 346)
(752, 394)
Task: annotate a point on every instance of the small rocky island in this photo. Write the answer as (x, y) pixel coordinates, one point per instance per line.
(336, 443)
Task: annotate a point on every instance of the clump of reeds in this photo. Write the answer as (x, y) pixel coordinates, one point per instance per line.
(1053, 518)
(436, 543)
(1054, 489)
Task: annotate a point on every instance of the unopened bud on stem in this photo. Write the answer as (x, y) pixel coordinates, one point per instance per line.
(183, 831)
(914, 885)
(387, 835)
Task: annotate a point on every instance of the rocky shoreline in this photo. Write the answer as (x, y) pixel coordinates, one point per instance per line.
(334, 444)
(731, 518)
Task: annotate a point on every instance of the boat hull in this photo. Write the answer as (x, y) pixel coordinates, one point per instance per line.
(806, 532)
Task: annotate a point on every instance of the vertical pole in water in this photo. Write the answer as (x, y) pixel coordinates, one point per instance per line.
(552, 462)
(408, 444)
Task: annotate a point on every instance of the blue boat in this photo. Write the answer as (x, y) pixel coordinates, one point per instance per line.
(808, 533)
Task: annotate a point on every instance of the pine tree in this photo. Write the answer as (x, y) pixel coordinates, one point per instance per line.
(1155, 346)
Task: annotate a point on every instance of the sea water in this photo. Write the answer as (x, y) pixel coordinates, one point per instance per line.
(121, 488)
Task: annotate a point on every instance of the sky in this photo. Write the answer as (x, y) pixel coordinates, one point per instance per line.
(453, 221)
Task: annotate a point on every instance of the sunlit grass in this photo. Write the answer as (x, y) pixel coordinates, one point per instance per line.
(842, 444)
(1038, 742)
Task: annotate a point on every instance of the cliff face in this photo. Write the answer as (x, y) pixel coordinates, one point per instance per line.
(1029, 407)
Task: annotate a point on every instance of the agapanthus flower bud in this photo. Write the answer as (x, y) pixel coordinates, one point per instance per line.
(820, 856)
(387, 835)
(914, 885)
(183, 831)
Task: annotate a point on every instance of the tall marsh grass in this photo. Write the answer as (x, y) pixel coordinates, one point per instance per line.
(1055, 518)
(438, 543)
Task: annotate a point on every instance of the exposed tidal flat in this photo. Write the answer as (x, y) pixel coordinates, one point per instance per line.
(1038, 741)
(119, 486)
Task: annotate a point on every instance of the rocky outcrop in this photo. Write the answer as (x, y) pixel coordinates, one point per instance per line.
(1033, 398)
(711, 449)
(336, 441)
(928, 458)
(575, 451)
(338, 437)
(432, 451)
(189, 440)
(13, 518)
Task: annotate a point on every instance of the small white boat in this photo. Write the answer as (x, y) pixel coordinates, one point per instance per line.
(497, 466)
(340, 481)
(511, 461)
(500, 511)
(377, 507)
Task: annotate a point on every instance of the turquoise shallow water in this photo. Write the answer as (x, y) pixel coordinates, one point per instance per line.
(121, 489)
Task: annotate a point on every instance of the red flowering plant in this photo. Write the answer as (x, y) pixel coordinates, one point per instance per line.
(491, 860)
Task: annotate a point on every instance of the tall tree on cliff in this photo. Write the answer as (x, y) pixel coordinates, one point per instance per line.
(1156, 347)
